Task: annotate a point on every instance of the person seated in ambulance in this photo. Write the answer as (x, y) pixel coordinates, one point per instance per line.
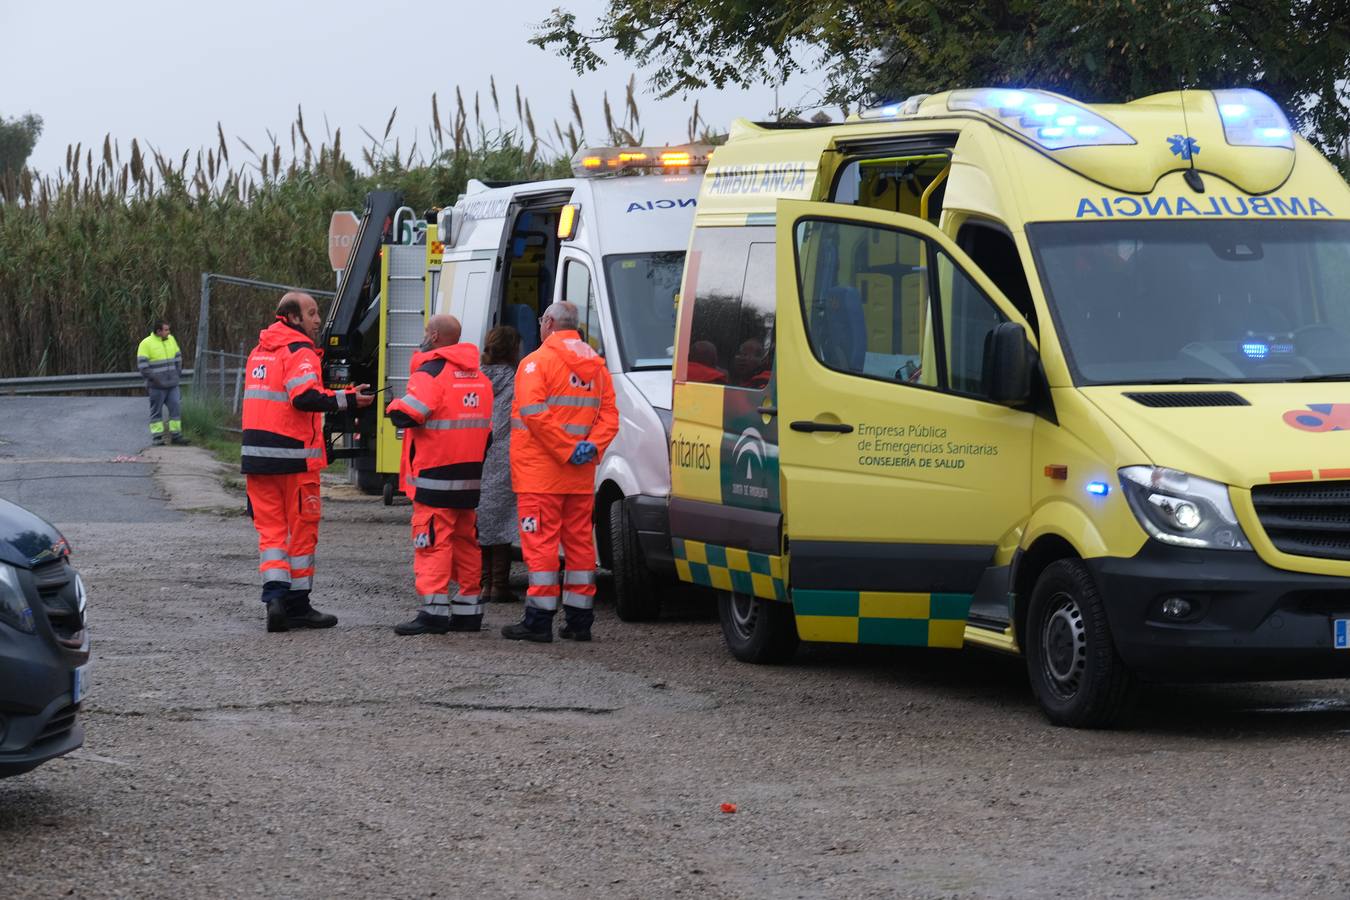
(752, 367)
(703, 365)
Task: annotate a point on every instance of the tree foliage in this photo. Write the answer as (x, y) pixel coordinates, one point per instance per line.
(18, 136)
(1298, 51)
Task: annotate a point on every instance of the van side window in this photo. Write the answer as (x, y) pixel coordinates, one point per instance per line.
(967, 319)
(866, 295)
(578, 290)
(885, 304)
(731, 331)
(994, 251)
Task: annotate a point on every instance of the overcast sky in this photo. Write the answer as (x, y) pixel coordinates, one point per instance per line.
(165, 73)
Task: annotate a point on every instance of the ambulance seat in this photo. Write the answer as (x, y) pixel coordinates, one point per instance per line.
(843, 341)
(523, 319)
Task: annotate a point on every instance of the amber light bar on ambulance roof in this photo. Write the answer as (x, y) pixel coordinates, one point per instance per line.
(589, 162)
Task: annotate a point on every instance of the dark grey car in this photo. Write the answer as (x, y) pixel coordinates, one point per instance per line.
(44, 646)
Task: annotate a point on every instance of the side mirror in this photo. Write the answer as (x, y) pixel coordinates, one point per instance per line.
(1009, 361)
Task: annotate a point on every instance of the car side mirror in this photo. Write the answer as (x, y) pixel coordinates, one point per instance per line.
(1009, 361)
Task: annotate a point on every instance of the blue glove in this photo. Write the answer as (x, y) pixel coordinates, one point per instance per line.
(584, 453)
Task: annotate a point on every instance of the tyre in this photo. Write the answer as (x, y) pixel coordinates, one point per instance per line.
(637, 590)
(757, 630)
(389, 492)
(1076, 674)
(368, 481)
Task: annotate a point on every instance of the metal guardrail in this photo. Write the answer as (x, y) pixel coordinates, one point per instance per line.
(64, 384)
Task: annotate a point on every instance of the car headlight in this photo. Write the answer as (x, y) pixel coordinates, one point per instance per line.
(1181, 509)
(14, 608)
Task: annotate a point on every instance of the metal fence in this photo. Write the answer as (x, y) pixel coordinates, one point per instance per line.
(227, 327)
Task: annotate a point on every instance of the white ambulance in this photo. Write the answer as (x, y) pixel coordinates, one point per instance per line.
(611, 240)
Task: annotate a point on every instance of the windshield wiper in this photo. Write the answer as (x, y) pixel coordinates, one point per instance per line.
(1333, 376)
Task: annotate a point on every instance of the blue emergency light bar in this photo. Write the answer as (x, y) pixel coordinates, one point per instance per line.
(1053, 122)
(1251, 119)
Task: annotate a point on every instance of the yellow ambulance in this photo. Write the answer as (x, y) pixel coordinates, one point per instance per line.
(994, 367)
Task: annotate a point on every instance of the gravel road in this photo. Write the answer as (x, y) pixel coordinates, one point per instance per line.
(222, 761)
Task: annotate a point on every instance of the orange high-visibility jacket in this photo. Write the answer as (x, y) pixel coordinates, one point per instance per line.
(284, 402)
(564, 395)
(447, 417)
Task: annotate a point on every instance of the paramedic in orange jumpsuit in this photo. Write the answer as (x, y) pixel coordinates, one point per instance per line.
(282, 453)
(447, 420)
(563, 418)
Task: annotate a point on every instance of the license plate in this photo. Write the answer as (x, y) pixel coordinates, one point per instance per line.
(80, 683)
(1340, 634)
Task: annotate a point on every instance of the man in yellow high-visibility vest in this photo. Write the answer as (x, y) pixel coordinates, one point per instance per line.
(161, 364)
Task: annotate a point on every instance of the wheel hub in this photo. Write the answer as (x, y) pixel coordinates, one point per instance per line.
(744, 613)
(1064, 644)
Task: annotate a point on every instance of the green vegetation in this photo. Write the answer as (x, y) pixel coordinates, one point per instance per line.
(90, 256)
(209, 424)
(18, 136)
(1093, 50)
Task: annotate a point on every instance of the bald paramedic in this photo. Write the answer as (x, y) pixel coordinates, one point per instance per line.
(283, 451)
(446, 416)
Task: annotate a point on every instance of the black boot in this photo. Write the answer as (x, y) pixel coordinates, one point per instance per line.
(520, 632)
(177, 438)
(536, 626)
(277, 614)
(466, 623)
(424, 623)
(577, 624)
(299, 613)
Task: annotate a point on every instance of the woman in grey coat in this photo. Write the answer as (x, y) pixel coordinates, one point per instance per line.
(497, 501)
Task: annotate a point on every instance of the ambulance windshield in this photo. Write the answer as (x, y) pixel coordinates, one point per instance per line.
(1175, 302)
(643, 288)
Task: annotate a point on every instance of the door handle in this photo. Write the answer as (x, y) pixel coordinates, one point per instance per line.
(767, 410)
(839, 428)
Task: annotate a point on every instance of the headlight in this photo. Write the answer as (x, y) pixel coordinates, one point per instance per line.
(1181, 509)
(14, 609)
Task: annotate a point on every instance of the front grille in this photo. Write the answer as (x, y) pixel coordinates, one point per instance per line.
(59, 724)
(1166, 399)
(56, 589)
(1306, 518)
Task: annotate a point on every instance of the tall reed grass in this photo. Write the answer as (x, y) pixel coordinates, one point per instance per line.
(91, 255)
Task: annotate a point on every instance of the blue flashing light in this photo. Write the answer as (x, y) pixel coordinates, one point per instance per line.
(1251, 119)
(1282, 348)
(1255, 350)
(1052, 123)
(1098, 488)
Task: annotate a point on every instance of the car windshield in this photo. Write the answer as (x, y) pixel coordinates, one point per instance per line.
(642, 288)
(1165, 302)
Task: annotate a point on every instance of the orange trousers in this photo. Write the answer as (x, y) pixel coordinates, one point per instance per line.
(445, 549)
(546, 521)
(286, 511)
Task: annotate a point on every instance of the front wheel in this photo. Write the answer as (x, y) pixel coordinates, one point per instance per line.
(757, 630)
(637, 590)
(1076, 673)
